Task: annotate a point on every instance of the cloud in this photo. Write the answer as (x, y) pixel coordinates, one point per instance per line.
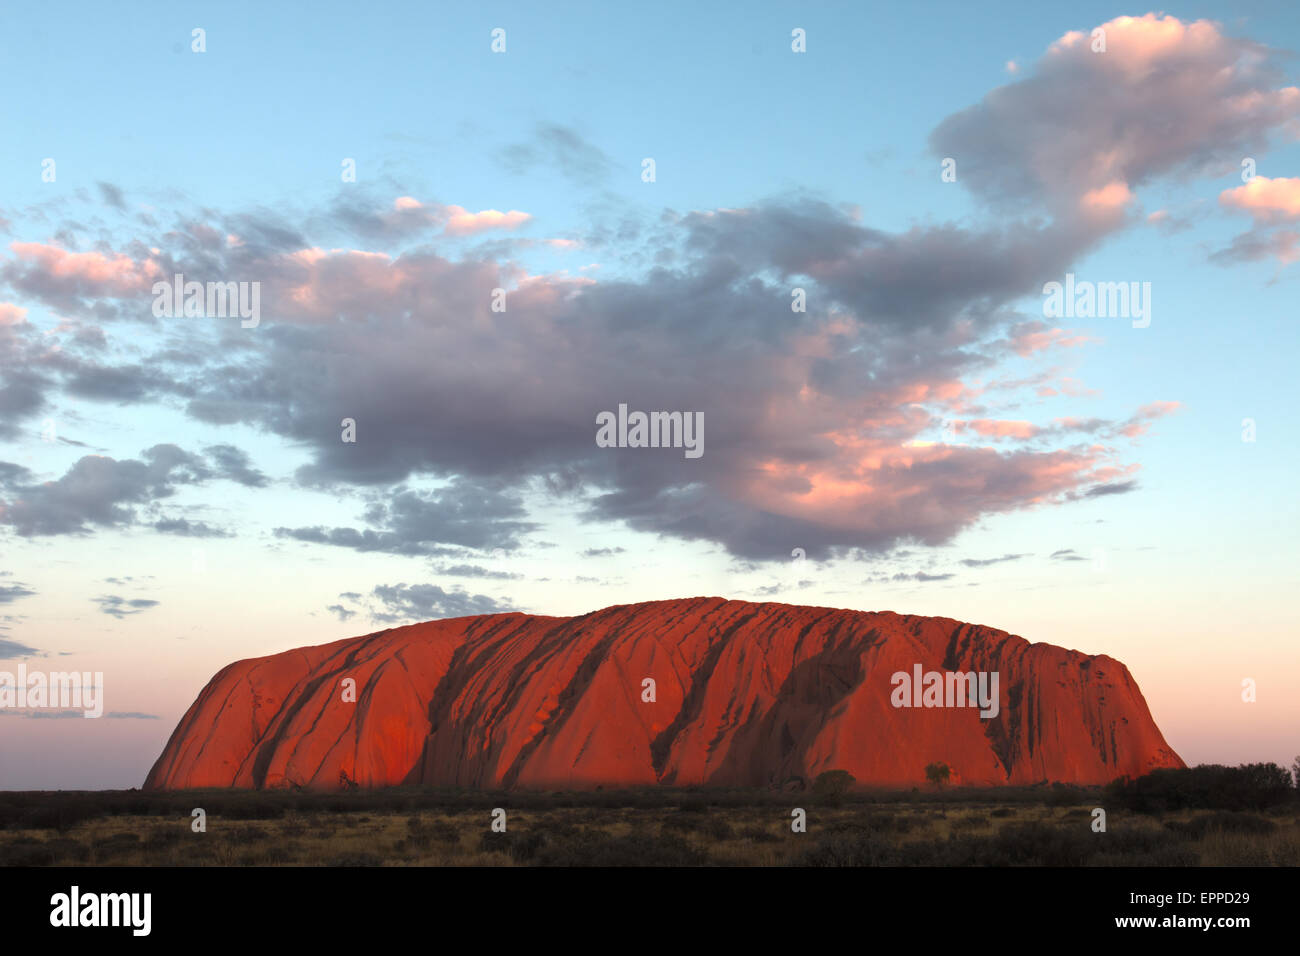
(12, 592)
(358, 213)
(120, 607)
(1267, 200)
(1273, 204)
(1114, 488)
(233, 463)
(412, 522)
(474, 571)
(188, 529)
(1261, 244)
(1067, 554)
(428, 601)
(408, 217)
(811, 420)
(602, 552)
(1140, 422)
(112, 195)
(461, 222)
(922, 576)
(102, 491)
(97, 491)
(1134, 426)
(341, 612)
(985, 562)
(1031, 337)
(11, 650)
(997, 429)
(820, 425)
(562, 149)
(1081, 124)
(60, 277)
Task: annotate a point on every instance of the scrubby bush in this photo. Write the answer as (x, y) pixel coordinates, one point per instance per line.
(598, 848)
(938, 774)
(1223, 821)
(1206, 787)
(833, 783)
(520, 846)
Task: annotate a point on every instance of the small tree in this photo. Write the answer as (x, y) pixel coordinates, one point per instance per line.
(938, 774)
(1295, 772)
(833, 783)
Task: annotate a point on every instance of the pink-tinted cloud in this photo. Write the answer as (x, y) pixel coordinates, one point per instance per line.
(88, 273)
(1031, 337)
(1268, 200)
(1141, 421)
(461, 222)
(1081, 131)
(997, 428)
(12, 314)
(1272, 203)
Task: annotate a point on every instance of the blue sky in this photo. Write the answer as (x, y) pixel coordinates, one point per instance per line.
(773, 170)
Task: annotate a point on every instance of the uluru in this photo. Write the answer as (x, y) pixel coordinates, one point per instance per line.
(690, 692)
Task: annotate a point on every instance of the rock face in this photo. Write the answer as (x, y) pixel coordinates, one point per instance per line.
(745, 695)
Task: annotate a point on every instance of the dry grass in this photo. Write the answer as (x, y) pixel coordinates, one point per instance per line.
(854, 834)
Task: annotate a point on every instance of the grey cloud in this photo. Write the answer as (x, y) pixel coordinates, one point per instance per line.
(985, 562)
(562, 149)
(188, 529)
(1262, 243)
(234, 463)
(111, 195)
(1113, 488)
(341, 612)
(428, 601)
(922, 576)
(12, 592)
(97, 491)
(11, 650)
(474, 571)
(119, 607)
(430, 523)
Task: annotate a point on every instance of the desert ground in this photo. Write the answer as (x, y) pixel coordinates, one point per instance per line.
(1035, 826)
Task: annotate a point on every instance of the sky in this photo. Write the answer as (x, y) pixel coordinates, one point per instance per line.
(471, 243)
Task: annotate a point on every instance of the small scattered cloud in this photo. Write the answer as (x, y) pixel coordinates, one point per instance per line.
(1067, 554)
(922, 576)
(341, 612)
(985, 562)
(10, 649)
(120, 607)
(189, 529)
(234, 463)
(562, 149)
(423, 602)
(474, 571)
(1113, 488)
(112, 196)
(12, 592)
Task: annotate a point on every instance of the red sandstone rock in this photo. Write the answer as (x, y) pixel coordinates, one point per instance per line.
(747, 695)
